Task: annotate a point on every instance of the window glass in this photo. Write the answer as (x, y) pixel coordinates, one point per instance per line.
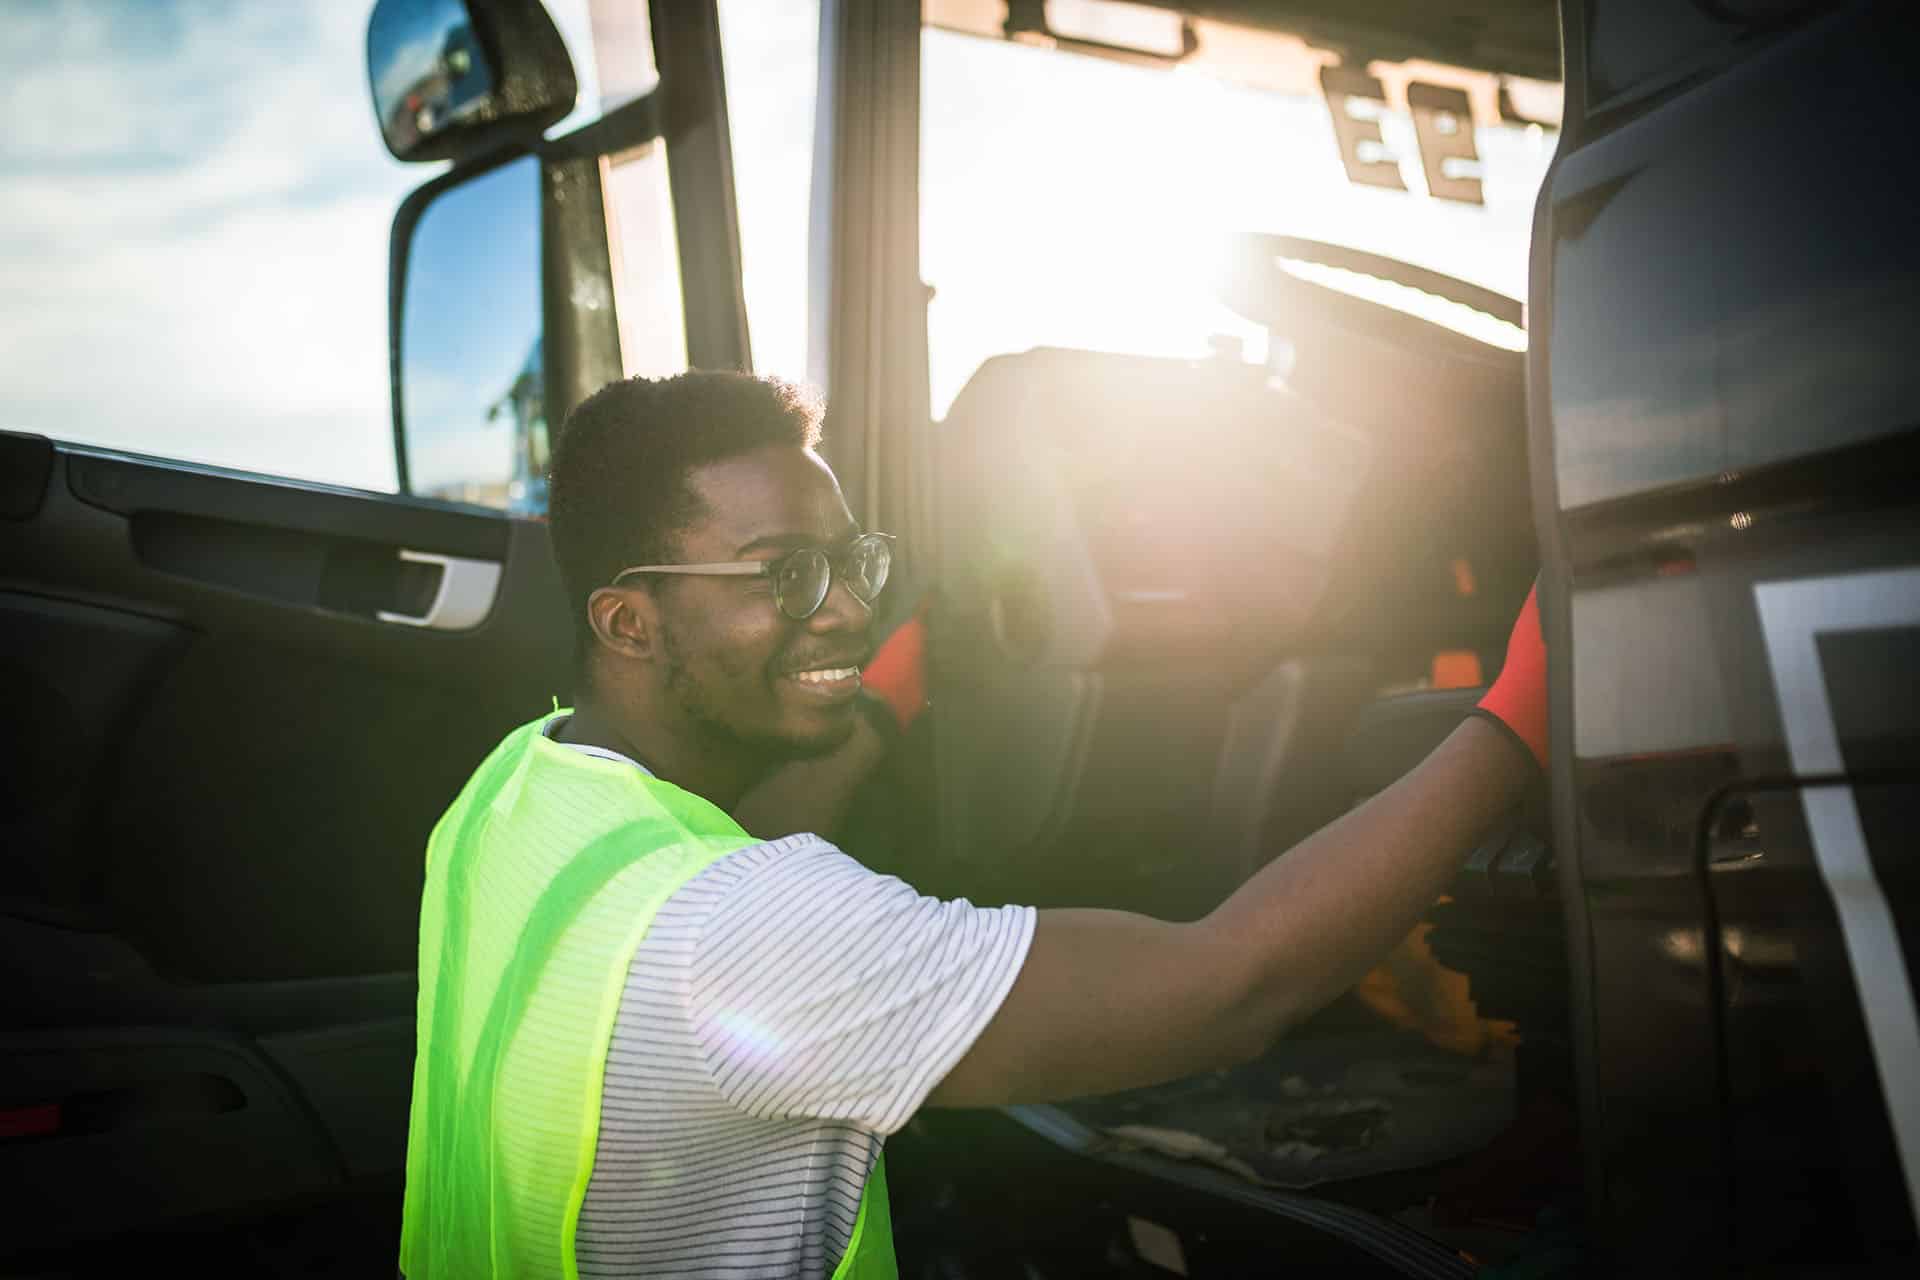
(646, 261)
(771, 49)
(195, 240)
(1085, 202)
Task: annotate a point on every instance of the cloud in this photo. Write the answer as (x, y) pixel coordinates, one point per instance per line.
(197, 206)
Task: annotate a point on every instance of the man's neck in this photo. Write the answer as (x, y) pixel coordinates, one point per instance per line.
(705, 773)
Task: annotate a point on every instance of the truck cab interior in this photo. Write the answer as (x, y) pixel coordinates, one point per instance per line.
(1187, 612)
(1184, 608)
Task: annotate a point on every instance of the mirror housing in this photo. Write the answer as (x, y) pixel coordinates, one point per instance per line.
(455, 79)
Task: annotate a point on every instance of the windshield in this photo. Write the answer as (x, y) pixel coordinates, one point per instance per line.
(1083, 201)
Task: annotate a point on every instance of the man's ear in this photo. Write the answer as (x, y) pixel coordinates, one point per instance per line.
(625, 622)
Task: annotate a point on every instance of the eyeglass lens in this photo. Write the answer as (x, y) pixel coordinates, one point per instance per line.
(802, 583)
(800, 586)
(866, 567)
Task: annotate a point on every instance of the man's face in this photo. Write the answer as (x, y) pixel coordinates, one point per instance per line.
(733, 666)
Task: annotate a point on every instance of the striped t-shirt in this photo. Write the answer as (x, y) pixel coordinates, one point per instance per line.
(787, 1010)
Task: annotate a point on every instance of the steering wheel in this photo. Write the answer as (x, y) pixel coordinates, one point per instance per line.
(1262, 290)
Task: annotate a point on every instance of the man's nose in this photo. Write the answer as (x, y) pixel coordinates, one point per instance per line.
(841, 610)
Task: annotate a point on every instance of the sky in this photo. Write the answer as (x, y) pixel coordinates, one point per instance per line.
(194, 215)
(195, 206)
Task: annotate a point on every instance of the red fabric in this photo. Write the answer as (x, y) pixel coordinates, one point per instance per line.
(30, 1122)
(1519, 696)
(898, 672)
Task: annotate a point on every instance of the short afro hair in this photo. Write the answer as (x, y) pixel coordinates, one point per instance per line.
(618, 492)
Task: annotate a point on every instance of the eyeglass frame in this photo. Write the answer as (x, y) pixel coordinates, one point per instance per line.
(772, 569)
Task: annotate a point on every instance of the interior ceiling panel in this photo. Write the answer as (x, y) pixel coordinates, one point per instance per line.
(1513, 37)
(1518, 38)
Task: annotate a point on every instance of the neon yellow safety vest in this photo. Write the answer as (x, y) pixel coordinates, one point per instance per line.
(542, 879)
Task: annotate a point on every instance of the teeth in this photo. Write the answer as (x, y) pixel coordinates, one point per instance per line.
(826, 675)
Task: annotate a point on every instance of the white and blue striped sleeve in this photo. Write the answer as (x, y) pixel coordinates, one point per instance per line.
(820, 989)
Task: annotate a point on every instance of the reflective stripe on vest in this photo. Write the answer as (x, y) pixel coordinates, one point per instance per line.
(542, 879)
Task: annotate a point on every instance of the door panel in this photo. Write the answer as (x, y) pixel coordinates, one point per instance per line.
(222, 769)
(73, 671)
(150, 1125)
(1723, 403)
(237, 705)
(1800, 1061)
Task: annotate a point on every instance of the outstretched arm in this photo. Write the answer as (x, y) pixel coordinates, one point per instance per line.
(1109, 1000)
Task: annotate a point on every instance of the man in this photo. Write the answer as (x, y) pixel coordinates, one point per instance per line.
(652, 1044)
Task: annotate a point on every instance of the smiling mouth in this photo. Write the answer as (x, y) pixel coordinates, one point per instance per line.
(834, 682)
(827, 675)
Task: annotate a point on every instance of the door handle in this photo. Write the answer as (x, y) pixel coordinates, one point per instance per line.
(461, 601)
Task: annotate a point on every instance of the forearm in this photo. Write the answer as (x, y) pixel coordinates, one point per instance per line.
(1316, 919)
(1108, 1001)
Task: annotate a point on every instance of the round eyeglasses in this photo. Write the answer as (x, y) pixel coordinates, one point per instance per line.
(802, 578)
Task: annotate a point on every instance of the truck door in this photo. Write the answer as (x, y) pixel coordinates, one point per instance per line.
(1724, 411)
(238, 696)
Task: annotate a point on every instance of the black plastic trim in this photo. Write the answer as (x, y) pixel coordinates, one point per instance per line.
(129, 485)
(686, 44)
(535, 84)
(1556, 625)
(1873, 475)
(582, 341)
(26, 464)
(629, 125)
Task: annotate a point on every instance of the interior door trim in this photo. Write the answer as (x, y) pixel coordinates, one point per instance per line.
(463, 599)
(126, 485)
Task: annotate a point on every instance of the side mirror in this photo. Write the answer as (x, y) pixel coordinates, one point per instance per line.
(469, 345)
(454, 79)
